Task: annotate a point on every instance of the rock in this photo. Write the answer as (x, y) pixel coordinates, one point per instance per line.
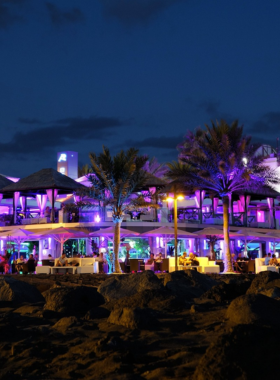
(245, 353)
(121, 286)
(254, 308)
(28, 309)
(261, 281)
(188, 284)
(72, 300)
(12, 290)
(161, 300)
(66, 323)
(226, 291)
(272, 292)
(133, 318)
(97, 313)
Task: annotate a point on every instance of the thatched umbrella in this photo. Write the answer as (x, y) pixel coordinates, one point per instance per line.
(4, 181)
(44, 181)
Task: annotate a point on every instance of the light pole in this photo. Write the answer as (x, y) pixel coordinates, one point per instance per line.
(175, 199)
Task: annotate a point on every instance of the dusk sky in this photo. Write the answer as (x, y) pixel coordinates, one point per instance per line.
(77, 74)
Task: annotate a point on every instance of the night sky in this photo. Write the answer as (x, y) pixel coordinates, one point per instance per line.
(77, 74)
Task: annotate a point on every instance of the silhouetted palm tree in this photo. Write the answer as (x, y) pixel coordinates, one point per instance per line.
(220, 159)
(115, 180)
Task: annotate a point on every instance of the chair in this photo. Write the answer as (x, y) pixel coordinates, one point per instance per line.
(25, 268)
(251, 266)
(45, 262)
(134, 265)
(31, 266)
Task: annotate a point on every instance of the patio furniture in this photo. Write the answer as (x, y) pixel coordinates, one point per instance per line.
(44, 269)
(134, 265)
(63, 270)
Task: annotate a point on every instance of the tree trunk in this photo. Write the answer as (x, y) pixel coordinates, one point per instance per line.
(212, 251)
(117, 238)
(227, 258)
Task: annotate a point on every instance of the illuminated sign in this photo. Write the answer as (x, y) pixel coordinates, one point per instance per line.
(62, 157)
(62, 170)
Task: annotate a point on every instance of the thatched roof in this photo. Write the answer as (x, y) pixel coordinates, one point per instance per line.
(42, 180)
(154, 181)
(4, 182)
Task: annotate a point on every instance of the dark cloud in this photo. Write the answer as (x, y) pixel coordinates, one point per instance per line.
(24, 120)
(60, 133)
(8, 12)
(60, 17)
(266, 129)
(162, 142)
(212, 109)
(131, 12)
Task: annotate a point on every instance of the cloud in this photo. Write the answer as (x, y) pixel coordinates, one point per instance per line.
(24, 120)
(60, 17)
(60, 133)
(212, 109)
(8, 13)
(131, 12)
(162, 142)
(265, 130)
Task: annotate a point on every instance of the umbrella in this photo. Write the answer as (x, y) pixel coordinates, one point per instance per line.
(212, 231)
(62, 234)
(168, 233)
(18, 235)
(110, 231)
(275, 235)
(251, 235)
(208, 232)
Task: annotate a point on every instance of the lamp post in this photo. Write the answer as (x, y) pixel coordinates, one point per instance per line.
(175, 199)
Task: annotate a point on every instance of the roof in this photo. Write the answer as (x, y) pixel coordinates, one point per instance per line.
(4, 181)
(42, 180)
(154, 181)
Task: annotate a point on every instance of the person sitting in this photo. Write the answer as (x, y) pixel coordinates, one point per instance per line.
(267, 258)
(158, 261)
(62, 261)
(193, 260)
(127, 262)
(19, 263)
(47, 212)
(4, 262)
(151, 260)
(274, 261)
(183, 259)
(239, 257)
(31, 263)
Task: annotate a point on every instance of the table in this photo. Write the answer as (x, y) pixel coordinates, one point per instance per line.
(55, 270)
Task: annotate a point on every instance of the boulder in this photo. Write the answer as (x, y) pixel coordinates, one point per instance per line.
(15, 291)
(226, 291)
(254, 308)
(262, 280)
(66, 323)
(120, 286)
(74, 300)
(245, 353)
(188, 284)
(272, 292)
(160, 300)
(133, 318)
(97, 313)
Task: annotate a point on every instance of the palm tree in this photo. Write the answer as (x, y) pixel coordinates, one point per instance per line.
(221, 160)
(155, 168)
(115, 181)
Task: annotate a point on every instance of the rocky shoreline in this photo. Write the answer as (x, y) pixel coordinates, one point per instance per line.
(182, 325)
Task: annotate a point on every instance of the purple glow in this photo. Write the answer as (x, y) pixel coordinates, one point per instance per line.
(97, 219)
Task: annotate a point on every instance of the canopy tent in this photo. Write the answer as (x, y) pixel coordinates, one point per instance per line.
(168, 233)
(18, 235)
(62, 234)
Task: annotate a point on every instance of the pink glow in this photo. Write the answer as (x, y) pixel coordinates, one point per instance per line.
(260, 216)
